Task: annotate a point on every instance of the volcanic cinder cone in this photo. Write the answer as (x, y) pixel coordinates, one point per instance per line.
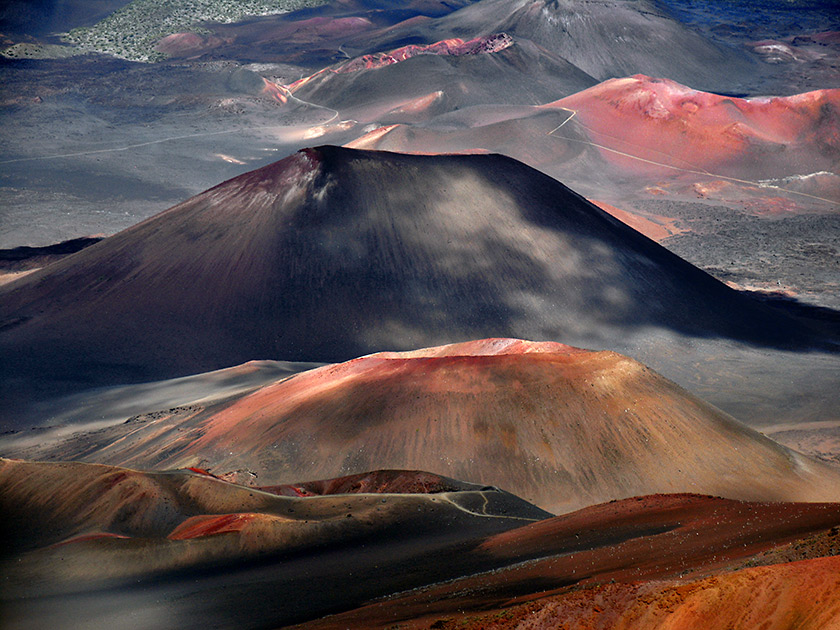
(661, 122)
(561, 427)
(334, 253)
(456, 74)
(608, 39)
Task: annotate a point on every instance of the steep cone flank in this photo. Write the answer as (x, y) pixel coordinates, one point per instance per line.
(561, 427)
(605, 38)
(490, 70)
(334, 253)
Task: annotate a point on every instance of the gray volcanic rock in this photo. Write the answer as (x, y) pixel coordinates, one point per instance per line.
(609, 38)
(487, 70)
(335, 253)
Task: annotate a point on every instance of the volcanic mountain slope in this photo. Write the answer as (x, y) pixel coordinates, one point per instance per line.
(655, 131)
(75, 532)
(334, 253)
(104, 541)
(604, 38)
(311, 37)
(741, 138)
(496, 69)
(651, 563)
(561, 427)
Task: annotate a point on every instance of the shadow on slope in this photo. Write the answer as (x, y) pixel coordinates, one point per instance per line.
(334, 253)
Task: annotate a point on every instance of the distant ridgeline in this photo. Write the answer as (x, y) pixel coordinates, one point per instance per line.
(133, 31)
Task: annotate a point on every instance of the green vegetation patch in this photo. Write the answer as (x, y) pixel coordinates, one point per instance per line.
(133, 31)
(38, 51)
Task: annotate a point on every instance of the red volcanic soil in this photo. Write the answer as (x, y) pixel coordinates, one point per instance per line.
(209, 525)
(559, 426)
(449, 47)
(188, 44)
(661, 122)
(379, 481)
(628, 560)
(779, 597)
(214, 552)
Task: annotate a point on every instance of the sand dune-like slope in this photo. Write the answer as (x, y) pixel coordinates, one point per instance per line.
(624, 561)
(48, 504)
(52, 419)
(561, 427)
(334, 253)
(77, 537)
(662, 121)
(778, 597)
(181, 549)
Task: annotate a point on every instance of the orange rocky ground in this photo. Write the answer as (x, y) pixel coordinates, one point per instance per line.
(654, 227)
(802, 595)
(648, 562)
(664, 124)
(195, 547)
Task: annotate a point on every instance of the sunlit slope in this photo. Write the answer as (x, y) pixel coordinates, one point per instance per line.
(667, 126)
(561, 427)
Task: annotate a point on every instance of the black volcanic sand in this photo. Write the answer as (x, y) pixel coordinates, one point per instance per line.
(335, 253)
